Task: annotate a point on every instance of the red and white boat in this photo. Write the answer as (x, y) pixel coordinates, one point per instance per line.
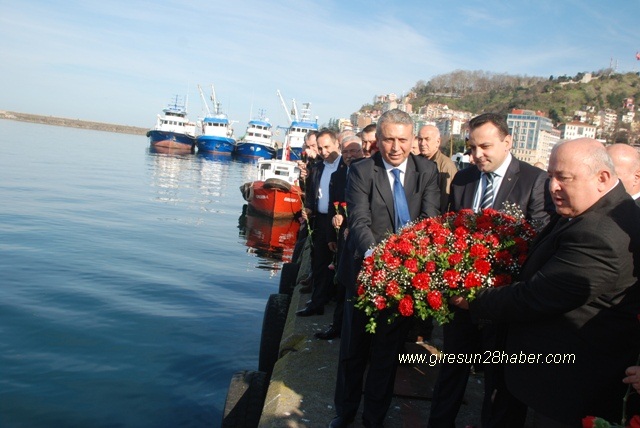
(276, 192)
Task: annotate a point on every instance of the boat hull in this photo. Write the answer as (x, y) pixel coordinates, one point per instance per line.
(171, 140)
(213, 144)
(253, 150)
(273, 202)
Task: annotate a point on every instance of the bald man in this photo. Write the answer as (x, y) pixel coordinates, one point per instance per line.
(626, 161)
(577, 295)
(429, 146)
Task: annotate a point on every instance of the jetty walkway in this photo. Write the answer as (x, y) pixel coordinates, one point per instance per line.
(300, 392)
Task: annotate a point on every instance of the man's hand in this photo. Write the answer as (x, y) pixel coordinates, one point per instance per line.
(333, 247)
(459, 301)
(337, 220)
(633, 377)
(306, 212)
(303, 170)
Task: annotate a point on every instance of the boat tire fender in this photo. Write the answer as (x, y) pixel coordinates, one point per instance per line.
(275, 317)
(277, 183)
(288, 276)
(245, 399)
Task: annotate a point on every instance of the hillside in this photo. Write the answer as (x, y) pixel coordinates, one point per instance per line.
(558, 97)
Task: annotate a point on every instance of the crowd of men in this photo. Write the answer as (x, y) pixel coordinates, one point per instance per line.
(578, 292)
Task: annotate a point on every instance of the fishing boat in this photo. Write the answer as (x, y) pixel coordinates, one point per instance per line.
(173, 130)
(300, 124)
(215, 130)
(257, 142)
(276, 192)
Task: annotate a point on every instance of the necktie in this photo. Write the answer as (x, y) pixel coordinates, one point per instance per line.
(487, 197)
(399, 201)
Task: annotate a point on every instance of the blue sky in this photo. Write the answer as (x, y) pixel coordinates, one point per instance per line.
(123, 61)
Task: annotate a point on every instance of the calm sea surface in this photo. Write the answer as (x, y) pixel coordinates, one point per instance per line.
(132, 286)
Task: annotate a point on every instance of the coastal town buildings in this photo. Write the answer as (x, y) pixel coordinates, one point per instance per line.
(533, 135)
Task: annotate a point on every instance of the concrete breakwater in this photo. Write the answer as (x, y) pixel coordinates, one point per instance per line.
(73, 123)
(294, 385)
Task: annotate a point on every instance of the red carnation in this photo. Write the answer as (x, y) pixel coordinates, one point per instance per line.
(404, 247)
(421, 281)
(478, 251)
(393, 289)
(451, 277)
(430, 267)
(411, 265)
(504, 258)
(343, 204)
(460, 244)
(454, 259)
(405, 307)
(439, 240)
(502, 279)
(435, 299)
(472, 280)
(588, 422)
(482, 266)
(492, 240)
(380, 302)
(378, 277)
(360, 290)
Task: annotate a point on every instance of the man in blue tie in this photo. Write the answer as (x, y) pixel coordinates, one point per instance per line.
(383, 193)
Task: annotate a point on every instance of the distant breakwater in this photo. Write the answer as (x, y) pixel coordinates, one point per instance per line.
(73, 123)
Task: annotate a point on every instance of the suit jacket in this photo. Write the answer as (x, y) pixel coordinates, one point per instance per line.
(579, 296)
(522, 184)
(370, 200)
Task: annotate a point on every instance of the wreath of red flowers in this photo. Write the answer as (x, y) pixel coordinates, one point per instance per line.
(417, 270)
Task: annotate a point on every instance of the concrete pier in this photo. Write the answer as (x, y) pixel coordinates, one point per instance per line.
(302, 384)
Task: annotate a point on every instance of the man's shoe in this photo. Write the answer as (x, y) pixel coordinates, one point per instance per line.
(308, 311)
(329, 334)
(340, 422)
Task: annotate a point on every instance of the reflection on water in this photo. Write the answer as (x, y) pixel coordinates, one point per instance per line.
(272, 240)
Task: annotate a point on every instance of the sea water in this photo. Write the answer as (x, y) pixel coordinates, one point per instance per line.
(128, 294)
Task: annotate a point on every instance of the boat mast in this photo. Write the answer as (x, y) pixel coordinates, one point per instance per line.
(216, 106)
(284, 106)
(206, 106)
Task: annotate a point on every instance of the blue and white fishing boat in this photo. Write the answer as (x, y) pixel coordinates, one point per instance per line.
(173, 130)
(215, 130)
(257, 142)
(300, 124)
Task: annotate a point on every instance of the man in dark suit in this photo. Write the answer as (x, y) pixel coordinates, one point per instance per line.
(320, 209)
(374, 208)
(351, 152)
(573, 313)
(626, 160)
(495, 178)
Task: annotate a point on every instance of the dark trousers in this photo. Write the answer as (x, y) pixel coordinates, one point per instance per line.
(499, 407)
(338, 312)
(356, 348)
(321, 258)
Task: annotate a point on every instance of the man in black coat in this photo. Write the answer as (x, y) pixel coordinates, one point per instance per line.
(574, 315)
(512, 182)
(372, 216)
(351, 152)
(319, 208)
